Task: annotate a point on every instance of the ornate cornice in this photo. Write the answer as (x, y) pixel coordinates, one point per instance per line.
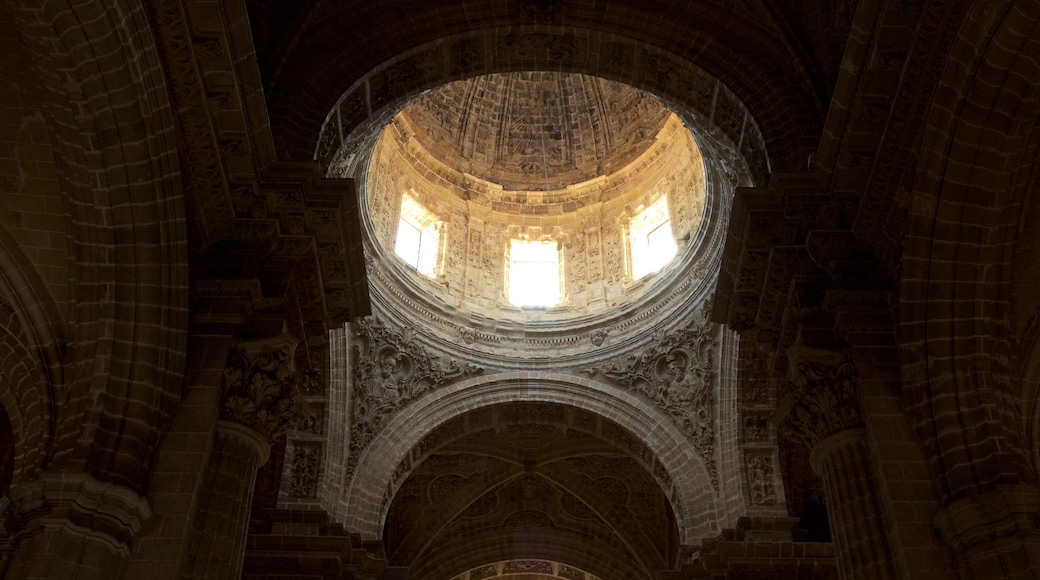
(677, 374)
(820, 398)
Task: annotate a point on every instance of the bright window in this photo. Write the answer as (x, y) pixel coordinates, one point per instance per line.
(418, 237)
(652, 242)
(534, 273)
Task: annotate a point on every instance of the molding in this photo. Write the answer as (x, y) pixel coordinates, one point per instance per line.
(104, 512)
(246, 435)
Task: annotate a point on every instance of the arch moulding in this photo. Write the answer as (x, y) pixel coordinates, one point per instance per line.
(363, 504)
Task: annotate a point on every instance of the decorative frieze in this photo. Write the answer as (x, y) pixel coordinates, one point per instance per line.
(677, 374)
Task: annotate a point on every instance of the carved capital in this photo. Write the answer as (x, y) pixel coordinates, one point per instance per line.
(262, 388)
(820, 398)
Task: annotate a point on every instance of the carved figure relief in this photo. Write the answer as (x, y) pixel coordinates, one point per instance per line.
(676, 374)
(760, 480)
(391, 369)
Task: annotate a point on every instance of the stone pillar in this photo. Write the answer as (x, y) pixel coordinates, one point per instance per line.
(820, 409)
(260, 403)
(995, 533)
(70, 525)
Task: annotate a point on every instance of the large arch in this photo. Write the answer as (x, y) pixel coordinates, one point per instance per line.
(974, 172)
(112, 128)
(736, 46)
(362, 505)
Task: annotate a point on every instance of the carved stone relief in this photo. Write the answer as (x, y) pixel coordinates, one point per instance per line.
(676, 374)
(756, 429)
(391, 369)
(820, 398)
(262, 389)
(760, 479)
(306, 461)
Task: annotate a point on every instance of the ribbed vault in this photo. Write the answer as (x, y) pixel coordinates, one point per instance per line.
(526, 484)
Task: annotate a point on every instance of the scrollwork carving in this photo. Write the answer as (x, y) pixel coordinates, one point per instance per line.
(391, 370)
(304, 479)
(676, 374)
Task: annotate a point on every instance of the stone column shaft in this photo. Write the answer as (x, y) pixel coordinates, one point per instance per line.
(843, 462)
(261, 401)
(222, 518)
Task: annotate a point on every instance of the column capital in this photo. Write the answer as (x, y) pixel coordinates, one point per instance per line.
(820, 398)
(262, 388)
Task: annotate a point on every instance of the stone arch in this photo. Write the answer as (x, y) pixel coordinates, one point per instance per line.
(956, 266)
(25, 397)
(363, 503)
(723, 126)
(729, 42)
(112, 128)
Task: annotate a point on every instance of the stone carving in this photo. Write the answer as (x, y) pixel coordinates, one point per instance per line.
(760, 480)
(755, 429)
(313, 423)
(599, 336)
(676, 374)
(527, 567)
(304, 479)
(821, 395)
(261, 387)
(392, 369)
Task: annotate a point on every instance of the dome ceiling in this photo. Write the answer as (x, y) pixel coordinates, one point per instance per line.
(581, 165)
(536, 131)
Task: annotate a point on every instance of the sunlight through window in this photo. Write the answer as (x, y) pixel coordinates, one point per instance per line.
(652, 241)
(534, 273)
(418, 237)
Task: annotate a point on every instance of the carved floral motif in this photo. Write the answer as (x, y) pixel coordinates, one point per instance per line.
(262, 389)
(676, 374)
(390, 371)
(821, 395)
